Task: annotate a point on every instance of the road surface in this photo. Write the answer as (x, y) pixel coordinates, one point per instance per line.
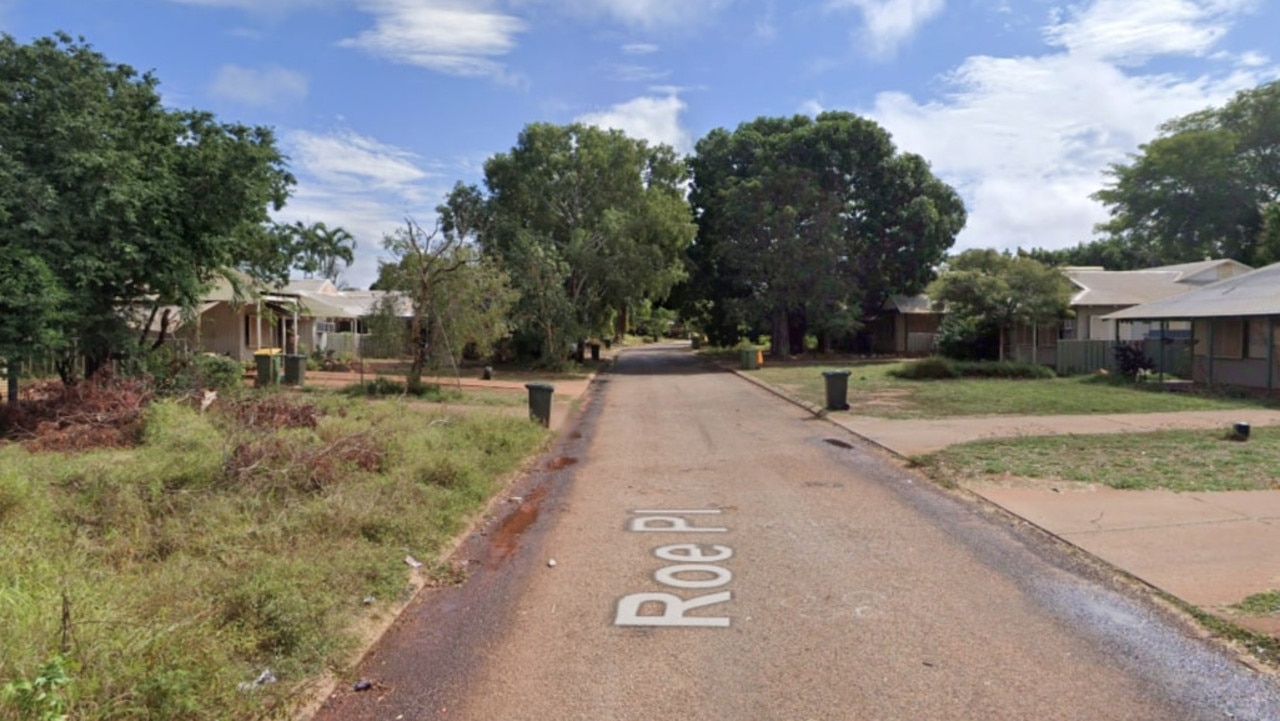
(721, 554)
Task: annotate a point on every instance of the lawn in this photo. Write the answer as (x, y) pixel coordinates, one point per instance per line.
(1199, 460)
(873, 392)
(164, 578)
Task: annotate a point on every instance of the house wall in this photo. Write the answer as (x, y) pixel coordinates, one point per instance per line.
(1239, 348)
(1027, 346)
(918, 333)
(883, 333)
(219, 332)
(234, 331)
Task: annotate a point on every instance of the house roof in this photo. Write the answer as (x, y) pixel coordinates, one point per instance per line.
(1254, 293)
(311, 285)
(1098, 287)
(1123, 287)
(910, 304)
(348, 303)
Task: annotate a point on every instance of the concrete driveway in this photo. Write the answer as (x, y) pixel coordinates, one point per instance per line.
(1209, 549)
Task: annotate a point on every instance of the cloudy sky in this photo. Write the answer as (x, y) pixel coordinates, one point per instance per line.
(382, 105)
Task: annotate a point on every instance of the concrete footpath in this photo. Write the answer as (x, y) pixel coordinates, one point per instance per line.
(1210, 549)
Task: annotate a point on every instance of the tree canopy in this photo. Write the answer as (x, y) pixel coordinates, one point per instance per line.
(985, 289)
(1202, 188)
(586, 222)
(124, 201)
(30, 298)
(458, 297)
(318, 249)
(808, 225)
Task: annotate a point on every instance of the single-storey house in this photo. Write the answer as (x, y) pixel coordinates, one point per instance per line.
(1102, 292)
(301, 317)
(1099, 292)
(908, 326)
(1233, 327)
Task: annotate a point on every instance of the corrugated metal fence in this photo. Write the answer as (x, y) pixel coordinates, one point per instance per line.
(1089, 356)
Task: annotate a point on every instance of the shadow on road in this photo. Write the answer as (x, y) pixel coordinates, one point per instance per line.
(662, 359)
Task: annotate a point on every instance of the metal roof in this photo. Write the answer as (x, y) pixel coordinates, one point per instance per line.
(1254, 293)
(1124, 287)
(1100, 287)
(349, 303)
(910, 304)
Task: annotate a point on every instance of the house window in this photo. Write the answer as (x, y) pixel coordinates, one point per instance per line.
(1068, 328)
(1228, 338)
(1256, 335)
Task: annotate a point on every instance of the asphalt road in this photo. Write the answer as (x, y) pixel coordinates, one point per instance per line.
(720, 554)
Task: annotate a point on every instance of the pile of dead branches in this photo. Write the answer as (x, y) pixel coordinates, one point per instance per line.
(104, 411)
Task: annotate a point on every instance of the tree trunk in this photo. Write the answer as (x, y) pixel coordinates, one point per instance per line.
(11, 369)
(797, 329)
(780, 339)
(1000, 351)
(624, 319)
(418, 332)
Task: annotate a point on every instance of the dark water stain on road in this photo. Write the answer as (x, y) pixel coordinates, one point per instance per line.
(505, 539)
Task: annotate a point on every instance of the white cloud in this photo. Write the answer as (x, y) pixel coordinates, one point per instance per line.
(640, 49)
(647, 13)
(634, 73)
(887, 24)
(350, 159)
(1026, 140)
(269, 86)
(1125, 31)
(812, 107)
(456, 37)
(358, 183)
(261, 6)
(652, 118)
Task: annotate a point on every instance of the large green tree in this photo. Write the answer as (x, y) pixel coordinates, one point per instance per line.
(1202, 187)
(587, 222)
(125, 202)
(808, 225)
(984, 288)
(30, 298)
(458, 297)
(1110, 253)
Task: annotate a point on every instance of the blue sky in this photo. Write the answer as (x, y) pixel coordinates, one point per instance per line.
(383, 104)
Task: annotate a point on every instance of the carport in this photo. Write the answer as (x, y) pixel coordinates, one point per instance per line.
(1236, 318)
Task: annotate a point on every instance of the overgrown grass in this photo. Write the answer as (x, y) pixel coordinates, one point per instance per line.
(874, 391)
(1200, 460)
(170, 574)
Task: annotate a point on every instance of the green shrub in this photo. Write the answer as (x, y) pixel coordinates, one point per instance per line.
(1131, 361)
(177, 372)
(938, 368)
(217, 372)
(1005, 369)
(927, 369)
(967, 339)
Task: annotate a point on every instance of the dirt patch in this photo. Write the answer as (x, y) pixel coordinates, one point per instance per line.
(561, 462)
(897, 399)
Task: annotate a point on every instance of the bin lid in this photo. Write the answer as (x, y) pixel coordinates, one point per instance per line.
(836, 373)
(268, 351)
(539, 386)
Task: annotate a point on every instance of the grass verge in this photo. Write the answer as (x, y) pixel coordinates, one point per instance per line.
(1183, 460)
(164, 579)
(874, 391)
